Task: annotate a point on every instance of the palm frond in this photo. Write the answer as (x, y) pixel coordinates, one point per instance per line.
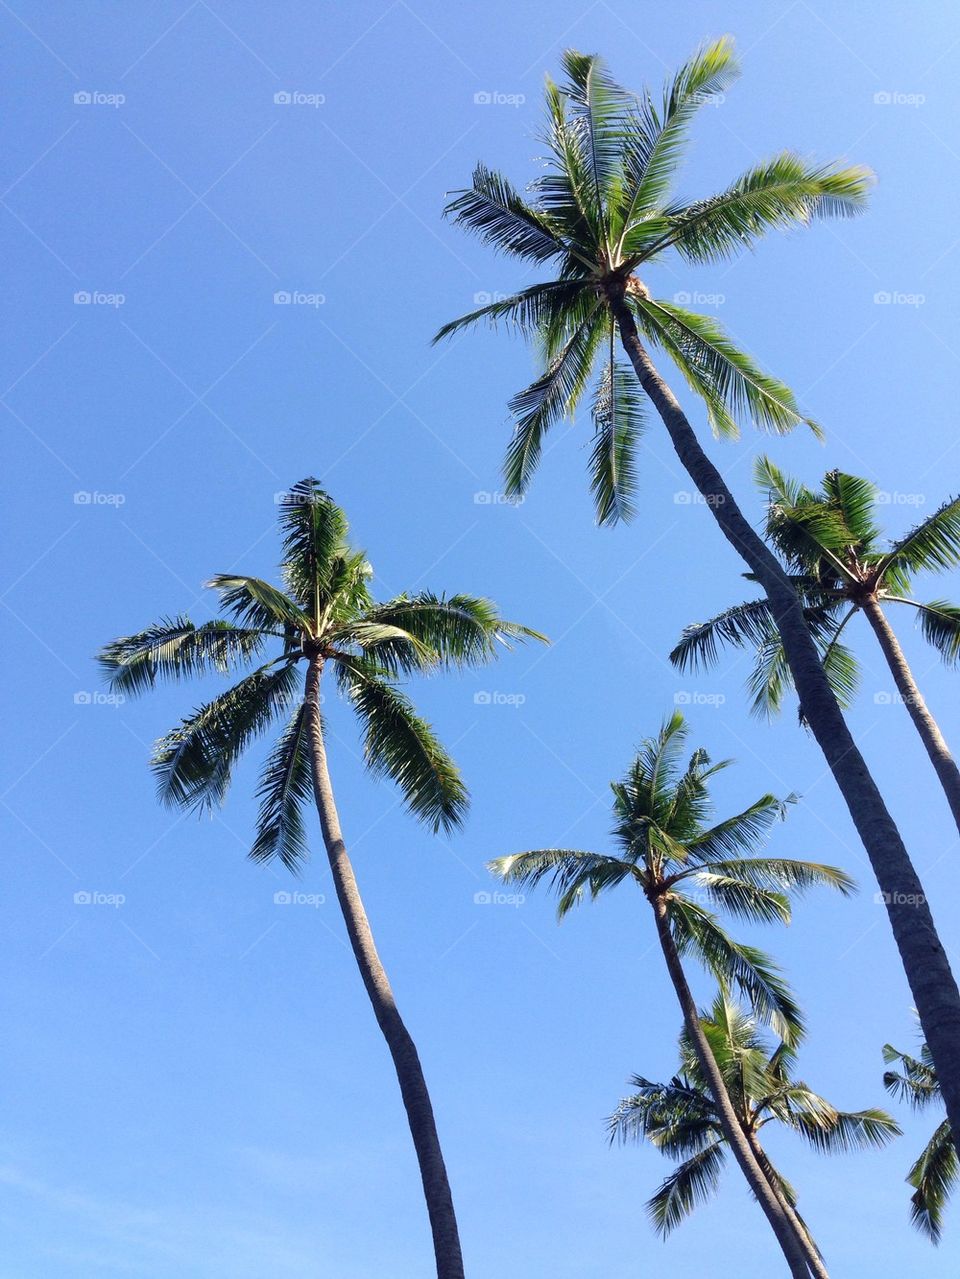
(528, 311)
(570, 872)
(729, 381)
(254, 602)
(934, 545)
(940, 624)
(691, 1184)
(934, 1176)
(314, 533)
(502, 218)
(174, 648)
(617, 424)
(403, 747)
(193, 763)
(461, 630)
(285, 784)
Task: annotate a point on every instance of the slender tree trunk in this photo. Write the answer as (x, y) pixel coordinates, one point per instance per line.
(933, 740)
(812, 1252)
(766, 1196)
(413, 1086)
(924, 960)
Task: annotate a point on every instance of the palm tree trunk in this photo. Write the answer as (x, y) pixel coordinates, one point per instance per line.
(812, 1252)
(773, 1208)
(924, 959)
(933, 740)
(413, 1086)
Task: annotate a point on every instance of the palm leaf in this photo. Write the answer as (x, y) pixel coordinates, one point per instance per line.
(174, 648)
(285, 784)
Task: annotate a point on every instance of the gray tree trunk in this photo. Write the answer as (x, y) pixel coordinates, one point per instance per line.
(413, 1086)
(924, 959)
(933, 740)
(790, 1242)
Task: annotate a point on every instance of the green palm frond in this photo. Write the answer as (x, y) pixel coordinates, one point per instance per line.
(940, 624)
(740, 898)
(253, 602)
(461, 630)
(193, 763)
(656, 137)
(285, 785)
(314, 531)
(776, 195)
(400, 745)
(783, 874)
(678, 1117)
(570, 872)
(933, 546)
(731, 383)
(500, 216)
(934, 1177)
(617, 424)
(694, 1182)
(528, 310)
(740, 834)
(746, 625)
(555, 393)
(174, 648)
(916, 1082)
(754, 974)
(830, 1130)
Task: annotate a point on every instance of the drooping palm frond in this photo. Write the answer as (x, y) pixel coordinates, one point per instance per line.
(402, 746)
(617, 425)
(934, 1176)
(284, 786)
(916, 1082)
(731, 383)
(254, 602)
(570, 872)
(528, 310)
(193, 763)
(174, 648)
(940, 624)
(693, 1182)
(933, 546)
(696, 930)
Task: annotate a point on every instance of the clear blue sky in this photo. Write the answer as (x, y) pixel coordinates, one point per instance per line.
(193, 1083)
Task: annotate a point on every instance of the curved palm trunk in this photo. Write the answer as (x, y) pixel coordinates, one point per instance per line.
(925, 962)
(933, 740)
(773, 1207)
(413, 1086)
(812, 1252)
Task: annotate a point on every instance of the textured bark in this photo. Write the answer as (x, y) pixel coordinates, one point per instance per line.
(413, 1086)
(791, 1244)
(812, 1253)
(925, 962)
(933, 740)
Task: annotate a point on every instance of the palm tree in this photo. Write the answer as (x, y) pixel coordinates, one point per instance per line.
(937, 1171)
(831, 544)
(666, 849)
(681, 1119)
(600, 212)
(324, 617)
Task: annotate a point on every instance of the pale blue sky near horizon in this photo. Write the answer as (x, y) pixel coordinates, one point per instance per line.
(194, 1084)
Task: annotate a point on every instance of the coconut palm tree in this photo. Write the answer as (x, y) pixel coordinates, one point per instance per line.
(937, 1171)
(324, 619)
(666, 849)
(681, 1119)
(599, 214)
(831, 543)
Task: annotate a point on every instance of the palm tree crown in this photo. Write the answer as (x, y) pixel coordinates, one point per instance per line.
(680, 1117)
(604, 210)
(937, 1171)
(325, 612)
(831, 543)
(666, 848)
